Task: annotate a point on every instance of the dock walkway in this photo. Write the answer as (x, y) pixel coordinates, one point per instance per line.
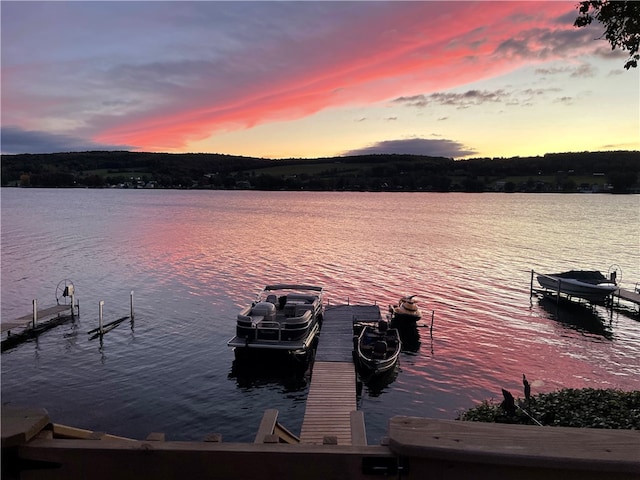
(331, 414)
(628, 295)
(41, 316)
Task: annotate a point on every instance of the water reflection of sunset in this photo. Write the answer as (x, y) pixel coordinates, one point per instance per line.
(195, 257)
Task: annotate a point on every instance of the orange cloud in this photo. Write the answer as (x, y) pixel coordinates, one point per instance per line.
(386, 51)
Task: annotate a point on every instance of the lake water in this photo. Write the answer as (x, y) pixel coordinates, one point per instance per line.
(194, 258)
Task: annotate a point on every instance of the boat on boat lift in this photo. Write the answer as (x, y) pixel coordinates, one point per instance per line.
(590, 285)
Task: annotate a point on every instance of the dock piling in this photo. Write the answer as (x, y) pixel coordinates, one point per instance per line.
(100, 305)
(104, 328)
(433, 313)
(35, 312)
(531, 284)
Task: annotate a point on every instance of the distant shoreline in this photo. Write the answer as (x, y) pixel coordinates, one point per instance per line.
(586, 172)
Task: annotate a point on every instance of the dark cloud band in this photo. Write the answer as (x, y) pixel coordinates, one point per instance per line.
(416, 146)
(16, 140)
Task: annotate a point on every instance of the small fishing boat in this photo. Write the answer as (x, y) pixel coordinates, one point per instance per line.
(589, 285)
(406, 312)
(284, 318)
(378, 348)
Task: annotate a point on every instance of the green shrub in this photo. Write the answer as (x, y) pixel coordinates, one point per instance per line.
(587, 407)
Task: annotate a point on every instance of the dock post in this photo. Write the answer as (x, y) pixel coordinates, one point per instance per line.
(73, 297)
(531, 285)
(100, 305)
(35, 312)
(131, 296)
(433, 312)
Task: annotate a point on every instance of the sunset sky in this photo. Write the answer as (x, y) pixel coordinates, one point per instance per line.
(313, 79)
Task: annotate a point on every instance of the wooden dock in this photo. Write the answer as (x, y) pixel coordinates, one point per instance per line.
(628, 295)
(331, 415)
(41, 316)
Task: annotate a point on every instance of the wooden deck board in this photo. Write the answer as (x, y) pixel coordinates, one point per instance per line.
(20, 425)
(628, 295)
(331, 400)
(336, 335)
(25, 320)
(586, 449)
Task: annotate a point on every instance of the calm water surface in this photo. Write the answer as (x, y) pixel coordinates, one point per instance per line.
(194, 258)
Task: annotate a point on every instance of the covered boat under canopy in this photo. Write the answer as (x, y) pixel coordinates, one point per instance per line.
(590, 285)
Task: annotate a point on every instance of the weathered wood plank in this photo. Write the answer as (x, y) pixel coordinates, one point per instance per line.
(81, 459)
(516, 445)
(65, 431)
(628, 295)
(19, 425)
(42, 316)
(358, 431)
(267, 425)
(330, 401)
(156, 437)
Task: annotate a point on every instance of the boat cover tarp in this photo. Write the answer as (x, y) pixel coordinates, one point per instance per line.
(588, 276)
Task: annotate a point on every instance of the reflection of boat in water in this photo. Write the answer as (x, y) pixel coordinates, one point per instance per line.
(409, 336)
(279, 371)
(405, 312)
(284, 318)
(589, 285)
(378, 349)
(376, 384)
(577, 316)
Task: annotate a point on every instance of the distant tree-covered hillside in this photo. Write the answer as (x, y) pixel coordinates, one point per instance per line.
(566, 172)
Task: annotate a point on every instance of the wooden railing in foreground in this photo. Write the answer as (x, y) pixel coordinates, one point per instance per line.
(456, 449)
(417, 448)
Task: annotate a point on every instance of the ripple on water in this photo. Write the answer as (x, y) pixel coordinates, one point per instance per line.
(194, 258)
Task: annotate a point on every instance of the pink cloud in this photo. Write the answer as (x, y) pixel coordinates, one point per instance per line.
(372, 54)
